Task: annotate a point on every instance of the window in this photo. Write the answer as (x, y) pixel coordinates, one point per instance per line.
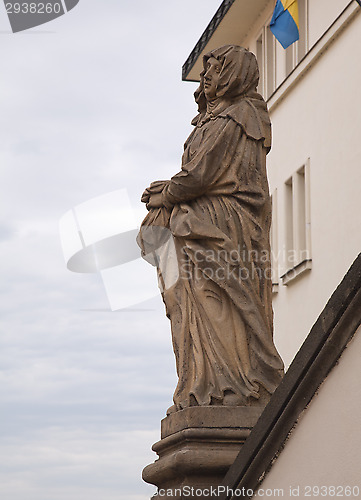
(297, 224)
(276, 63)
(295, 52)
(274, 243)
(302, 44)
(260, 59)
(266, 56)
(270, 61)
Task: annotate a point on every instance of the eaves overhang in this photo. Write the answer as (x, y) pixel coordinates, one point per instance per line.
(230, 25)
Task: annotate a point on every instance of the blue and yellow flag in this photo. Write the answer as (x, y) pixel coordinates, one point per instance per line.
(284, 23)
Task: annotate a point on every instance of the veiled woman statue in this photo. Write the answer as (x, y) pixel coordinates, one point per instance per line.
(218, 211)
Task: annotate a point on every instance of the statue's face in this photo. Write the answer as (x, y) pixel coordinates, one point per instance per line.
(211, 78)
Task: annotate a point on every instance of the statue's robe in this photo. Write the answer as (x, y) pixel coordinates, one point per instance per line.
(218, 211)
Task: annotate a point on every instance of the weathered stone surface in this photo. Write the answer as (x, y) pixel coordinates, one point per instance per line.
(210, 417)
(198, 446)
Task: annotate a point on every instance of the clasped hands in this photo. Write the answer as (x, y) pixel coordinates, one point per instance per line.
(152, 196)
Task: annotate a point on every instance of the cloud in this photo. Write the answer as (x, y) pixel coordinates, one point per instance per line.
(75, 464)
(6, 232)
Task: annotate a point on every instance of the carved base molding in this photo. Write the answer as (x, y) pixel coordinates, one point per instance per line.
(198, 446)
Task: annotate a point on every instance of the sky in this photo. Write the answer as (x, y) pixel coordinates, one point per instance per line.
(90, 103)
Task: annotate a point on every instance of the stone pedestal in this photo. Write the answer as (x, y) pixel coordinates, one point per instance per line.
(198, 446)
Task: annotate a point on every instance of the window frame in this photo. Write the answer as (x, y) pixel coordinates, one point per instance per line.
(297, 224)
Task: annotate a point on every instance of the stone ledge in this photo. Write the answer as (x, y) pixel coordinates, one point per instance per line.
(209, 435)
(240, 417)
(199, 444)
(192, 461)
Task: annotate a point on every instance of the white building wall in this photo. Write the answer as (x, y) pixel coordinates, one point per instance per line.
(322, 13)
(324, 449)
(320, 119)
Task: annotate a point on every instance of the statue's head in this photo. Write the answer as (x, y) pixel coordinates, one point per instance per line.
(229, 72)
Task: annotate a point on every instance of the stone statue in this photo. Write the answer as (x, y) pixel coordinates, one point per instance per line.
(217, 210)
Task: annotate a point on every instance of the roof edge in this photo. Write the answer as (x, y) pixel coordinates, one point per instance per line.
(206, 36)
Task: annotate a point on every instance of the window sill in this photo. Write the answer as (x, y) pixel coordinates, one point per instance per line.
(296, 271)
